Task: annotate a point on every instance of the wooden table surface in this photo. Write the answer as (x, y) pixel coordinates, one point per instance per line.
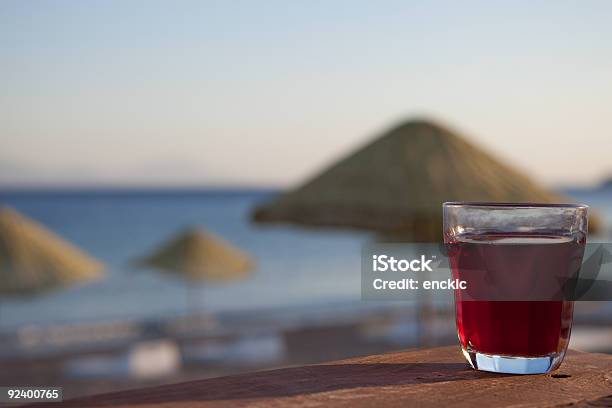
(435, 377)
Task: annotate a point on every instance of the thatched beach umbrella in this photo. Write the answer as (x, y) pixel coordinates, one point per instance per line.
(198, 256)
(34, 259)
(396, 185)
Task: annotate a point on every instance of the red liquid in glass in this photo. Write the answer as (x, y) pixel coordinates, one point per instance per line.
(513, 328)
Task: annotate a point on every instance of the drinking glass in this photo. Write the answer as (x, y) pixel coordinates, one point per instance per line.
(513, 257)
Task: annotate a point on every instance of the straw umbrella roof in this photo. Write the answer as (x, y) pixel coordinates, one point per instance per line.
(34, 259)
(397, 183)
(197, 255)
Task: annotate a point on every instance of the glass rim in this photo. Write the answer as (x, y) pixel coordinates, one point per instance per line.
(510, 205)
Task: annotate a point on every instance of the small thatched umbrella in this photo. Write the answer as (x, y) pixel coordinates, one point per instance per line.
(198, 256)
(35, 260)
(397, 183)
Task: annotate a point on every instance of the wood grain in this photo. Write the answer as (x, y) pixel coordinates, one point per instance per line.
(425, 378)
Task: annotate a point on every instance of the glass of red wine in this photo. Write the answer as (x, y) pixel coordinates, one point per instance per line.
(514, 257)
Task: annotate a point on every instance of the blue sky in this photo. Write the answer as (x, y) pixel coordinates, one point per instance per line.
(266, 92)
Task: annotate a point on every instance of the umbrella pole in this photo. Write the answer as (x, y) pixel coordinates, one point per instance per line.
(423, 310)
(192, 299)
(188, 299)
(200, 296)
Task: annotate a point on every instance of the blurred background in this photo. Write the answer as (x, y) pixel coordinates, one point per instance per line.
(186, 186)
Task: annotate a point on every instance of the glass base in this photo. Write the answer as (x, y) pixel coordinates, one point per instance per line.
(513, 365)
